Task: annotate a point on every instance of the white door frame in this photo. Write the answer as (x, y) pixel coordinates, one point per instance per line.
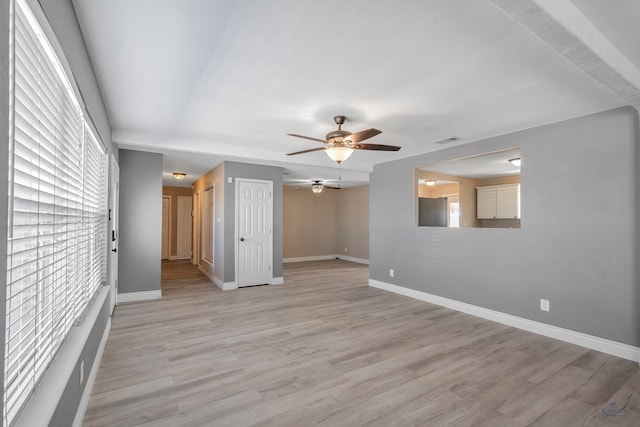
(114, 225)
(237, 226)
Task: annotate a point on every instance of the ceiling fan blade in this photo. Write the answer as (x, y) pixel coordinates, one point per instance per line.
(307, 137)
(363, 134)
(378, 147)
(306, 151)
(333, 188)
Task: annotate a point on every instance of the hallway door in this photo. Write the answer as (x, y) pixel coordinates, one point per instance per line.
(184, 227)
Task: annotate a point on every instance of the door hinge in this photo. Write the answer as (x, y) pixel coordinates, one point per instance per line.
(269, 268)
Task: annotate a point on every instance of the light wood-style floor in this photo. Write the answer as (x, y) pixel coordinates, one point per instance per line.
(325, 349)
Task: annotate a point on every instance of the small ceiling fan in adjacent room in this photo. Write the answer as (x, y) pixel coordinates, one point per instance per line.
(317, 186)
(340, 144)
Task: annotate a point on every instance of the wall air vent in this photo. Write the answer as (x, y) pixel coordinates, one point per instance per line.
(446, 140)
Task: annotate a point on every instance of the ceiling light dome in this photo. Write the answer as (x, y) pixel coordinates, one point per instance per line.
(339, 154)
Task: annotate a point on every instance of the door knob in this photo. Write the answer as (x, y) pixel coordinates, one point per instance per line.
(242, 239)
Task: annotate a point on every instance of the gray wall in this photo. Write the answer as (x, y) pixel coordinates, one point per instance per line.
(578, 245)
(140, 221)
(252, 171)
(66, 411)
(61, 16)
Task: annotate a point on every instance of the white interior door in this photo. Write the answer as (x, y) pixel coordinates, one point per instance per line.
(254, 213)
(184, 227)
(166, 231)
(114, 219)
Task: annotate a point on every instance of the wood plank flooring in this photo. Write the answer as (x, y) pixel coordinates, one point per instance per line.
(326, 349)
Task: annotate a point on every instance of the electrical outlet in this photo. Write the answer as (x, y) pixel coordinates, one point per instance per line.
(230, 179)
(391, 272)
(544, 304)
(346, 250)
(81, 372)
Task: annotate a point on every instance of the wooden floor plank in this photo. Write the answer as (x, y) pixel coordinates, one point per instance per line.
(326, 349)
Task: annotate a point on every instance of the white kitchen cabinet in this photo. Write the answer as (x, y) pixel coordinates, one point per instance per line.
(498, 201)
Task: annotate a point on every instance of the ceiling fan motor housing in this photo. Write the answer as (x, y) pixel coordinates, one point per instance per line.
(338, 136)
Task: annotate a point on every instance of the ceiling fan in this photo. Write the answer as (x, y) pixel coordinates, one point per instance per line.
(341, 143)
(317, 186)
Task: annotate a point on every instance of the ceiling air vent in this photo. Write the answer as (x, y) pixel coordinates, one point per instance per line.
(446, 140)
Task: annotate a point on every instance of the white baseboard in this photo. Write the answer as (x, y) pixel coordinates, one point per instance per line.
(139, 296)
(603, 345)
(326, 257)
(309, 258)
(172, 257)
(353, 259)
(225, 286)
(91, 379)
(277, 281)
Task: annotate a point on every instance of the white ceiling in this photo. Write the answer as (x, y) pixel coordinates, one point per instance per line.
(479, 167)
(203, 81)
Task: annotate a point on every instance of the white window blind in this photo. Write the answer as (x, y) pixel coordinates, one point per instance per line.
(57, 221)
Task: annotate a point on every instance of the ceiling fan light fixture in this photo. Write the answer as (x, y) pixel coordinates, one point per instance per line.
(179, 175)
(430, 182)
(517, 162)
(339, 154)
(317, 188)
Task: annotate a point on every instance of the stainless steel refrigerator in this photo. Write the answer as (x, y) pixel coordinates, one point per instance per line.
(432, 212)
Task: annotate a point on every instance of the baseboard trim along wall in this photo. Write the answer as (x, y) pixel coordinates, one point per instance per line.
(326, 257)
(614, 348)
(225, 286)
(86, 394)
(277, 281)
(353, 259)
(139, 296)
(309, 258)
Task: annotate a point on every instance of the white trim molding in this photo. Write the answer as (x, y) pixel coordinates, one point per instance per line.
(309, 258)
(614, 348)
(353, 259)
(225, 286)
(325, 258)
(139, 296)
(88, 388)
(277, 281)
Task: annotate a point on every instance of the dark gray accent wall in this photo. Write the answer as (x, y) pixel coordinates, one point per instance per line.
(251, 171)
(140, 221)
(578, 245)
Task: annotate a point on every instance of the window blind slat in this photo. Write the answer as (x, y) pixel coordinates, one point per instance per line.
(57, 230)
